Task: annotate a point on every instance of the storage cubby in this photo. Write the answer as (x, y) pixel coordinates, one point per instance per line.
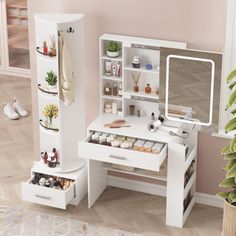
(103, 51)
(145, 108)
(146, 55)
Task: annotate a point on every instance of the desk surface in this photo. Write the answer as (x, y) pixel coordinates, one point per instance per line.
(138, 129)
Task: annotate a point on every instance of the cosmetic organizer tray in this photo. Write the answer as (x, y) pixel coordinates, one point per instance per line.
(120, 156)
(46, 195)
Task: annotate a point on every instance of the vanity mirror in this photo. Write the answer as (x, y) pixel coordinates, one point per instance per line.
(190, 86)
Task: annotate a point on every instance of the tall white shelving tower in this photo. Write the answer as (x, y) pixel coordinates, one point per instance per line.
(69, 127)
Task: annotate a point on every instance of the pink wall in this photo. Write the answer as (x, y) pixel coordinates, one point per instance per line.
(199, 23)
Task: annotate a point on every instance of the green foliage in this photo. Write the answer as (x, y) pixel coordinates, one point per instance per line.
(113, 46)
(229, 151)
(51, 78)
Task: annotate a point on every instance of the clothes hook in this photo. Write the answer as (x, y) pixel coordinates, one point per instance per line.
(70, 30)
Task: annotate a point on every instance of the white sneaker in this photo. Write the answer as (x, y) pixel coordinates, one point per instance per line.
(18, 108)
(9, 112)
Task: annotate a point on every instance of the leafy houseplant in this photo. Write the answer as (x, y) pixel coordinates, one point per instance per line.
(50, 111)
(113, 49)
(229, 154)
(51, 79)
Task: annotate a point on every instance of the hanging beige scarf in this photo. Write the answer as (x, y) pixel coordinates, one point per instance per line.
(66, 82)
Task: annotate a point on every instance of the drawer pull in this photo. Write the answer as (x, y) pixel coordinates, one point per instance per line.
(41, 196)
(117, 157)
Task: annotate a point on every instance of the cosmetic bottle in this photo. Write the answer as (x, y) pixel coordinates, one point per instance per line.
(120, 90)
(45, 48)
(107, 89)
(115, 90)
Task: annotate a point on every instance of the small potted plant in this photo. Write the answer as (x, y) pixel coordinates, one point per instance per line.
(51, 80)
(50, 112)
(229, 154)
(113, 49)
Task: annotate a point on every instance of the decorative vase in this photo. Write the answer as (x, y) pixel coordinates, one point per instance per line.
(148, 89)
(229, 226)
(136, 88)
(50, 122)
(113, 54)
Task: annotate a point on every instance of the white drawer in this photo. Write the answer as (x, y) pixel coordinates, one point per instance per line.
(47, 196)
(121, 156)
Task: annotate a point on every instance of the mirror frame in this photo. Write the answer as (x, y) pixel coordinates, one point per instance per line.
(186, 120)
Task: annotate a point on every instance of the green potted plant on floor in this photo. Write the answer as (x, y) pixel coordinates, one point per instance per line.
(51, 80)
(113, 49)
(229, 154)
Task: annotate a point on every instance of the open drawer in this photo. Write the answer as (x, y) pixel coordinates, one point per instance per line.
(128, 157)
(47, 196)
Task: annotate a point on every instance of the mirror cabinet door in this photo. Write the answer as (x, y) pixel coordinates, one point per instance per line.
(190, 85)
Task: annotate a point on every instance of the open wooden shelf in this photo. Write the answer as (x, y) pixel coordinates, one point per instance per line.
(137, 172)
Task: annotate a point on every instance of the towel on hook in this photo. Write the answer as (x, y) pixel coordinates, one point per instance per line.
(66, 78)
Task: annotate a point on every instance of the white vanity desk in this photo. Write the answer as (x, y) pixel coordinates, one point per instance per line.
(178, 162)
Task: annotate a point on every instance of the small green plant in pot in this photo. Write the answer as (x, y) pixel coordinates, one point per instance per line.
(51, 80)
(113, 49)
(229, 154)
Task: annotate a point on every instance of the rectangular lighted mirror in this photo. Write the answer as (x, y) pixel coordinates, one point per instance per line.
(192, 82)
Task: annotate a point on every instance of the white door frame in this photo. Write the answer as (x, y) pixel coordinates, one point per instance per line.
(2, 51)
(6, 68)
(229, 61)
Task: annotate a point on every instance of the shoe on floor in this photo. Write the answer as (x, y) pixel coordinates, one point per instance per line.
(9, 112)
(18, 108)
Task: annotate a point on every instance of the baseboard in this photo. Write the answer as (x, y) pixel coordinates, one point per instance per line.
(209, 200)
(139, 186)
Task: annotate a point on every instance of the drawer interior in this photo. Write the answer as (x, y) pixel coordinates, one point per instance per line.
(125, 142)
(50, 181)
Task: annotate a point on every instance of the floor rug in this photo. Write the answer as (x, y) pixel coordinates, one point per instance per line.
(24, 222)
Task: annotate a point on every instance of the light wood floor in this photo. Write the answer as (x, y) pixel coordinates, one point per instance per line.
(116, 208)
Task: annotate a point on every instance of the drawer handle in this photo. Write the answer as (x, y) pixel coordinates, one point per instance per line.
(41, 196)
(117, 157)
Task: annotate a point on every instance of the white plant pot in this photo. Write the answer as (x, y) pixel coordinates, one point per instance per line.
(113, 54)
(52, 87)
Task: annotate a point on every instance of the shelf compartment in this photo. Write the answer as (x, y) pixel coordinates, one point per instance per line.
(47, 128)
(45, 91)
(121, 156)
(190, 156)
(136, 172)
(188, 210)
(47, 196)
(189, 184)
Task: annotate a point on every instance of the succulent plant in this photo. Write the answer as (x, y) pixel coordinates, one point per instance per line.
(51, 78)
(113, 46)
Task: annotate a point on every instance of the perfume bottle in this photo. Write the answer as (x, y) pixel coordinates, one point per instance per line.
(120, 90)
(148, 89)
(107, 89)
(115, 90)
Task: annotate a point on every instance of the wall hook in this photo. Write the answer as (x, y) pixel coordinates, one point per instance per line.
(70, 30)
